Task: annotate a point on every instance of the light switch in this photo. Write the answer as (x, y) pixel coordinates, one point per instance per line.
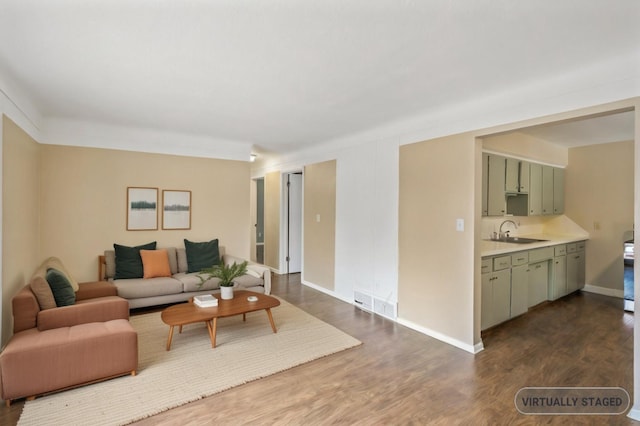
(318, 217)
(459, 225)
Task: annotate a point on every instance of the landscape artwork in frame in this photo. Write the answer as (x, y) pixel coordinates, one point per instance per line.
(176, 209)
(142, 209)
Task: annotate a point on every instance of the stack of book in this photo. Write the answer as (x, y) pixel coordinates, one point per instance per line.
(205, 301)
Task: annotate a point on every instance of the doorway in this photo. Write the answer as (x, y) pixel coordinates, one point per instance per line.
(293, 222)
(259, 223)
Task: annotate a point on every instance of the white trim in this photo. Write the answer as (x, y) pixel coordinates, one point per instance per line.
(604, 291)
(442, 337)
(518, 157)
(327, 291)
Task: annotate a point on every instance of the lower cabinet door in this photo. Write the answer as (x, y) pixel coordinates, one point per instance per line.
(502, 296)
(538, 282)
(486, 318)
(519, 290)
(496, 298)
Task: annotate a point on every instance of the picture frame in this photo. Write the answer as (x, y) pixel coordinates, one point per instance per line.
(142, 208)
(176, 209)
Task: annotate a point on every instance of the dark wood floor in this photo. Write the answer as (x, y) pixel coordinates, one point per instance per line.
(399, 376)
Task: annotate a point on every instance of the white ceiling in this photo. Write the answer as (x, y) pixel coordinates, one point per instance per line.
(588, 131)
(284, 74)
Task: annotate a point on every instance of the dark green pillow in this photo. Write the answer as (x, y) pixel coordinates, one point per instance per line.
(129, 262)
(61, 288)
(201, 255)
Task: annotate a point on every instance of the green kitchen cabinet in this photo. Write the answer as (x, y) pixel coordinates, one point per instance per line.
(547, 190)
(535, 189)
(558, 190)
(496, 204)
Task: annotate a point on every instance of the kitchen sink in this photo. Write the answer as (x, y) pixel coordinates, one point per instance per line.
(516, 240)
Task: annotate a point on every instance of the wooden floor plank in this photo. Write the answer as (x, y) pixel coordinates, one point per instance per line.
(399, 376)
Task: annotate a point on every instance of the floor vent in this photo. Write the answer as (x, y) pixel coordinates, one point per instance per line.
(363, 301)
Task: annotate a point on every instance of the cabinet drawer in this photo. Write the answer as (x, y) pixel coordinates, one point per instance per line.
(537, 255)
(485, 266)
(519, 259)
(560, 250)
(580, 245)
(571, 248)
(502, 262)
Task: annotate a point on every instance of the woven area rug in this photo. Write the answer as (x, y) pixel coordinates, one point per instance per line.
(191, 370)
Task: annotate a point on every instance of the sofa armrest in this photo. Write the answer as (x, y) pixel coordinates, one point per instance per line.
(100, 309)
(92, 290)
(261, 269)
(25, 309)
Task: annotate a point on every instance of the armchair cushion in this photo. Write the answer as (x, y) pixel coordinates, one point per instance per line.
(61, 288)
(42, 291)
(54, 262)
(101, 309)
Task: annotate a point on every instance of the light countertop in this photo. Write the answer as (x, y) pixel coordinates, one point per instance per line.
(493, 248)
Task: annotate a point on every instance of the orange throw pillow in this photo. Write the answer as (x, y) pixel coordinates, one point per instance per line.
(155, 263)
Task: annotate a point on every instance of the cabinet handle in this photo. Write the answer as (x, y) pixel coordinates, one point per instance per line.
(538, 266)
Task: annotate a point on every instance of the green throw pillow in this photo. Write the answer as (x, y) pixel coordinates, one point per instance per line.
(61, 288)
(201, 255)
(129, 262)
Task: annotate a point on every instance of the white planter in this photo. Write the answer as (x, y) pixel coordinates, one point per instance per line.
(226, 293)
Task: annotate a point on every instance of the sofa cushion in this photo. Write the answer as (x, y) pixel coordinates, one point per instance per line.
(190, 282)
(60, 287)
(129, 262)
(173, 259)
(201, 255)
(155, 263)
(134, 288)
(40, 288)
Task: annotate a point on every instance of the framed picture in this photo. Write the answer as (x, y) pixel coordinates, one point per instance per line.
(176, 209)
(142, 209)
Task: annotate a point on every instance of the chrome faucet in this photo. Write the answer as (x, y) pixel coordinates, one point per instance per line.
(506, 234)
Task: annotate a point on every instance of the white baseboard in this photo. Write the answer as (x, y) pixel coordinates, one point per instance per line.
(604, 291)
(474, 349)
(326, 291)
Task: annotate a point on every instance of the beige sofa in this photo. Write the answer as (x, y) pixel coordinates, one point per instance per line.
(181, 285)
(62, 347)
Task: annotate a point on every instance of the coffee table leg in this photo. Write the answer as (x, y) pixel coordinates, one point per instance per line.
(214, 328)
(273, 325)
(170, 337)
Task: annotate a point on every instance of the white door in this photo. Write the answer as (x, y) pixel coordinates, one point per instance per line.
(294, 223)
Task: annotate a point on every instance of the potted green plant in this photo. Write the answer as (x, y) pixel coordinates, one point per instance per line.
(226, 274)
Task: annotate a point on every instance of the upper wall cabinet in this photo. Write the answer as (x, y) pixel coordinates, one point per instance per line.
(520, 188)
(558, 190)
(516, 176)
(496, 202)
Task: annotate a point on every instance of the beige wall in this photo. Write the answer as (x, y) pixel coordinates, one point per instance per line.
(20, 232)
(272, 220)
(83, 202)
(526, 146)
(599, 190)
(320, 236)
(436, 267)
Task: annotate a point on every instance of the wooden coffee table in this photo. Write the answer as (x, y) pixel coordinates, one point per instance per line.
(189, 313)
